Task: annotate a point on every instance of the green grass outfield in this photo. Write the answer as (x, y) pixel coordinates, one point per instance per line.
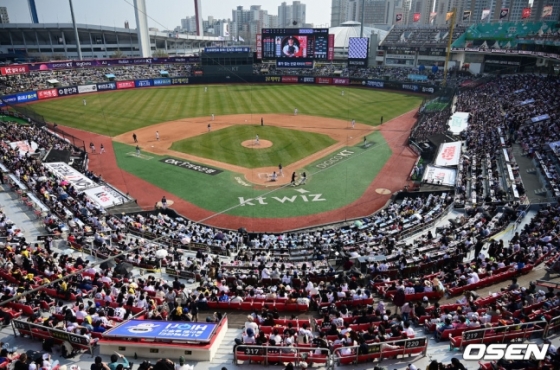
(336, 186)
(224, 145)
(116, 112)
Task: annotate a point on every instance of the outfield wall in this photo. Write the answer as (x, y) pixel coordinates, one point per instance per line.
(30, 96)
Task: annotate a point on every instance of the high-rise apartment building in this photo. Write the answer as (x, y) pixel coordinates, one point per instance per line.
(291, 15)
(4, 15)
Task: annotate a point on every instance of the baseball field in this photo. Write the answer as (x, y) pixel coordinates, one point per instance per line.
(216, 155)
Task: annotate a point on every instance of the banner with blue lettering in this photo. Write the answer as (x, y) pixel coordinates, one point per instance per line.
(9, 99)
(180, 330)
(162, 81)
(143, 83)
(26, 96)
(106, 86)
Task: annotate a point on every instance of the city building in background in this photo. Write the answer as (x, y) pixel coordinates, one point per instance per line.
(4, 15)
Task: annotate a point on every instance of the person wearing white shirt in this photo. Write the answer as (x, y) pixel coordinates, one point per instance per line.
(265, 274)
(250, 324)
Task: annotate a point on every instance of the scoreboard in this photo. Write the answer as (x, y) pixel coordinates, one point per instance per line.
(305, 45)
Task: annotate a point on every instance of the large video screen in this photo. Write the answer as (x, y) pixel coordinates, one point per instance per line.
(302, 43)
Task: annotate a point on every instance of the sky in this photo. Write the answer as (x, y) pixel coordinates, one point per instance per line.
(162, 14)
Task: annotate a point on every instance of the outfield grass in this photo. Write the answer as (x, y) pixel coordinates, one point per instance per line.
(117, 112)
(327, 189)
(224, 145)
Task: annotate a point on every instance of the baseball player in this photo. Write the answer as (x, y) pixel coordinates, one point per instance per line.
(157, 135)
(295, 112)
(212, 116)
(342, 93)
(137, 150)
(209, 127)
(257, 140)
(353, 123)
(280, 173)
(101, 149)
(205, 89)
(85, 102)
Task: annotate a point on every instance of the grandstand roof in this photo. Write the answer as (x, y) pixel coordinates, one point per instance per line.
(352, 29)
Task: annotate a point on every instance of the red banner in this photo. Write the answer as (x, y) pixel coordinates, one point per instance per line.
(198, 73)
(14, 70)
(259, 46)
(416, 17)
(526, 13)
(47, 94)
(340, 81)
(323, 80)
(125, 84)
(330, 54)
(289, 79)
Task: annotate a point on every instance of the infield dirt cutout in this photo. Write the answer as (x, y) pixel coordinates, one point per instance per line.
(172, 131)
(252, 144)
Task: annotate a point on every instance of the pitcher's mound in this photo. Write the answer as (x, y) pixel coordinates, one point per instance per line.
(262, 144)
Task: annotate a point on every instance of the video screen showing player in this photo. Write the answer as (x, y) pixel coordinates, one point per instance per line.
(294, 47)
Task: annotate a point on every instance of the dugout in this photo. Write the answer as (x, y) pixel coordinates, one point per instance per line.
(232, 61)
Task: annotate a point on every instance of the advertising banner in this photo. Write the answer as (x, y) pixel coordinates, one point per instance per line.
(125, 85)
(290, 79)
(98, 63)
(105, 196)
(87, 89)
(273, 79)
(330, 50)
(162, 81)
(307, 80)
(227, 50)
(440, 176)
(416, 17)
(106, 86)
(411, 87)
(323, 80)
(259, 46)
(143, 83)
(179, 81)
(340, 81)
(448, 154)
(398, 17)
(26, 97)
(14, 70)
(47, 94)
(376, 84)
(191, 331)
(66, 91)
(192, 166)
(526, 13)
(65, 172)
(547, 11)
(9, 99)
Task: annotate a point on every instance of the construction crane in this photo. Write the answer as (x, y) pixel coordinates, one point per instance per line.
(449, 42)
(33, 11)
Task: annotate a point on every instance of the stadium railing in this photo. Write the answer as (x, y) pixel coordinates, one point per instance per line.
(274, 354)
(407, 347)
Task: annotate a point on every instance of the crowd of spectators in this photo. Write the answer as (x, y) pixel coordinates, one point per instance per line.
(264, 267)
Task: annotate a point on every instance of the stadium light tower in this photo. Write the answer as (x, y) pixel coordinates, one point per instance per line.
(141, 13)
(198, 17)
(33, 11)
